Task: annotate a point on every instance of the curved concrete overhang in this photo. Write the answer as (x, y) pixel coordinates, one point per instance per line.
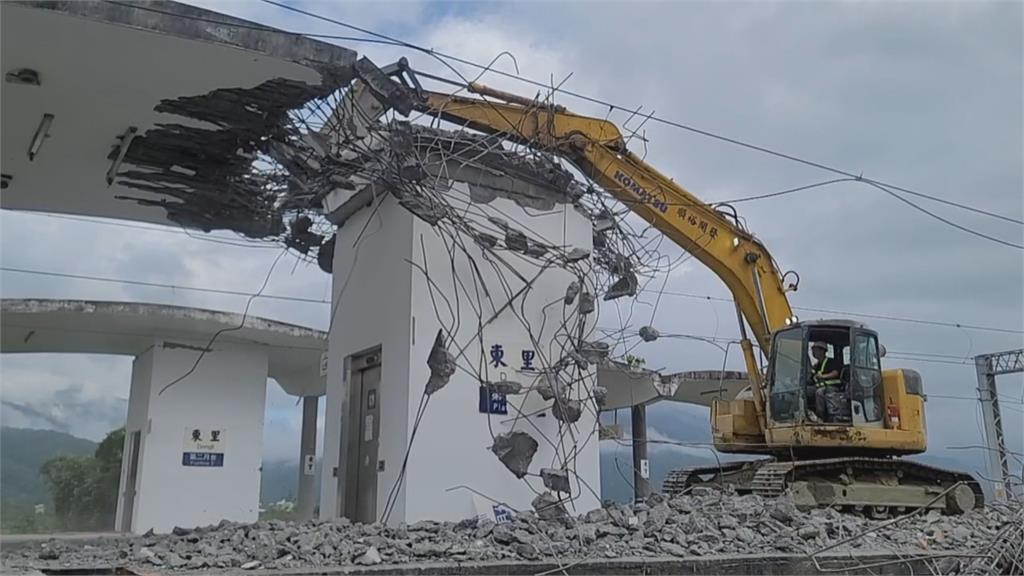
(168, 100)
(628, 386)
(130, 328)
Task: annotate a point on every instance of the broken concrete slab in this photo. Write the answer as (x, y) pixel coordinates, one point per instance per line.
(549, 507)
(515, 450)
(556, 480)
(586, 305)
(515, 240)
(594, 352)
(441, 363)
(504, 387)
(570, 292)
(550, 386)
(567, 411)
(649, 333)
(626, 285)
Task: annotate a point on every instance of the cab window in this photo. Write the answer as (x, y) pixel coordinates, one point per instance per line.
(787, 371)
(867, 381)
(865, 352)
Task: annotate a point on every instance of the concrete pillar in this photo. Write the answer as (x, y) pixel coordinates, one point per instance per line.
(307, 459)
(194, 437)
(641, 466)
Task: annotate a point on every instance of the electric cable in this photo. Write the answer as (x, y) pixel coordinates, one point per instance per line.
(241, 324)
(160, 285)
(680, 125)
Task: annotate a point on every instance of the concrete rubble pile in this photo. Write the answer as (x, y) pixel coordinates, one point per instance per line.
(702, 523)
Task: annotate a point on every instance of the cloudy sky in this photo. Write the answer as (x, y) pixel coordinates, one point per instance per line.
(927, 96)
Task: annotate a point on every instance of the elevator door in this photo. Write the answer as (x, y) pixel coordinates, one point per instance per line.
(362, 493)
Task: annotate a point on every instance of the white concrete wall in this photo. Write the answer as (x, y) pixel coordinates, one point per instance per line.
(371, 303)
(387, 302)
(227, 391)
(452, 446)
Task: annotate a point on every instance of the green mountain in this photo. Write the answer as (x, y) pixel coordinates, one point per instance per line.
(22, 452)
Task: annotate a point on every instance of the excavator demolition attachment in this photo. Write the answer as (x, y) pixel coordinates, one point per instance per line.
(847, 456)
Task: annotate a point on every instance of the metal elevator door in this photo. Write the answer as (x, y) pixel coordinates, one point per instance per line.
(361, 500)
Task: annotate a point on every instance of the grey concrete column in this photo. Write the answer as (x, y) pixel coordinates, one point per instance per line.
(307, 459)
(641, 466)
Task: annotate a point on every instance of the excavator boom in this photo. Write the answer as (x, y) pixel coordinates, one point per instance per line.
(871, 414)
(598, 150)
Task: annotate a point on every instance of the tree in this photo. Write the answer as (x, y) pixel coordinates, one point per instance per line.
(84, 488)
(635, 362)
(108, 456)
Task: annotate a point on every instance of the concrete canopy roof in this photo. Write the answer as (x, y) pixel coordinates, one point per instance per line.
(104, 67)
(634, 386)
(128, 328)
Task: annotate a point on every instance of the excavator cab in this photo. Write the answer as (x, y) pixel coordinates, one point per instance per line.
(855, 398)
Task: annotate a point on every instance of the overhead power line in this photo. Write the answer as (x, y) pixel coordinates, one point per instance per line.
(839, 313)
(926, 357)
(205, 237)
(613, 106)
(946, 221)
(161, 285)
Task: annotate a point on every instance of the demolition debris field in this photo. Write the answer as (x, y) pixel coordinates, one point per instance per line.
(697, 525)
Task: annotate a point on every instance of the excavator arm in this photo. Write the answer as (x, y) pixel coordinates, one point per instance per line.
(597, 148)
(719, 241)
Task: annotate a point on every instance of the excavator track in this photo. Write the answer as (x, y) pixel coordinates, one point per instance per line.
(874, 486)
(679, 481)
(770, 480)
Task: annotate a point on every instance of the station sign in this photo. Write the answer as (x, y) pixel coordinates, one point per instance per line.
(203, 447)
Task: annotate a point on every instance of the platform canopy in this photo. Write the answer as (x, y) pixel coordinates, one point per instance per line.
(177, 95)
(630, 386)
(129, 328)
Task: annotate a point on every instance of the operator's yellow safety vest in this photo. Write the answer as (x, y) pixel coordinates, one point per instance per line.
(821, 370)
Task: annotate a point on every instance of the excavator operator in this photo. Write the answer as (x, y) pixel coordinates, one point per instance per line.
(825, 373)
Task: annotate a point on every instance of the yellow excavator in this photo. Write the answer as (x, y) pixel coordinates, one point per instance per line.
(846, 457)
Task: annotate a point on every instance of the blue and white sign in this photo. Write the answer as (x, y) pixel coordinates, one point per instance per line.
(203, 459)
(203, 447)
(492, 402)
(502, 514)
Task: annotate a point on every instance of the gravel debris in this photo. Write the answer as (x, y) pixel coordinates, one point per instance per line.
(697, 524)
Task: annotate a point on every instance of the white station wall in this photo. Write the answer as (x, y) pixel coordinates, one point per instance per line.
(226, 392)
(371, 307)
(388, 302)
(452, 446)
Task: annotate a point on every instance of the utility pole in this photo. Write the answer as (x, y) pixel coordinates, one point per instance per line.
(641, 465)
(989, 366)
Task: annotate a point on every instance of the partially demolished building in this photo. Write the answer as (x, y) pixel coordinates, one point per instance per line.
(485, 257)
